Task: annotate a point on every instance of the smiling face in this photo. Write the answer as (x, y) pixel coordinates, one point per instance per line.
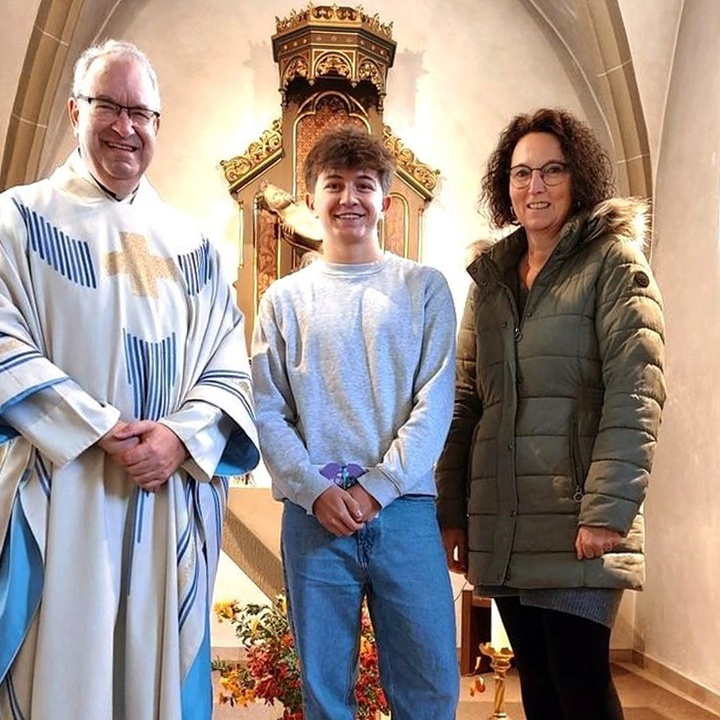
(116, 152)
(349, 203)
(542, 210)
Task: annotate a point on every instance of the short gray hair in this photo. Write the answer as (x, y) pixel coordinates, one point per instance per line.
(105, 49)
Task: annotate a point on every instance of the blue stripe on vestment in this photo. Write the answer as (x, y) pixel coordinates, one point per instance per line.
(19, 358)
(12, 696)
(27, 392)
(71, 258)
(189, 600)
(196, 691)
(186, 533)
(152, 373)
(21, 583)
(43, 475)
(196, 268)
(187, 544)
(218, 506)
(236, 382)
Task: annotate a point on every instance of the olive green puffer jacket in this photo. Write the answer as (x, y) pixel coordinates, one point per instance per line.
(557, 412)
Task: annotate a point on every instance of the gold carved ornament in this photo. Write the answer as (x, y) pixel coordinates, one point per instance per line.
(259, 155)
(333, 15)
(368, 70)
(421, 176)
(297, 67)
(334, 64)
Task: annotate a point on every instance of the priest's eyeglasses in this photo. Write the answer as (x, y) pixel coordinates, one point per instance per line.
(109, 111)
(552, 173)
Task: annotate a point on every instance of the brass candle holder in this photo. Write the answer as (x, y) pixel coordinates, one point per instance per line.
(500, 664)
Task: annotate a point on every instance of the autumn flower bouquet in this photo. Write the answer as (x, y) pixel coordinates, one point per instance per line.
(270, 671)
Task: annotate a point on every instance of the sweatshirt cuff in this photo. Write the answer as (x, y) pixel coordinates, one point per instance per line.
(310, 490)
(380, 486)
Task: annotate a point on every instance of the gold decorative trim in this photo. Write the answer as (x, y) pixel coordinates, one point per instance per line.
(369, 70)
(333, 15)
(259, 156)
(334, 64)
(328, 42)
(420, 176)
(296, 67)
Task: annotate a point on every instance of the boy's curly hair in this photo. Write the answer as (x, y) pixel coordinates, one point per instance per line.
(349, 147)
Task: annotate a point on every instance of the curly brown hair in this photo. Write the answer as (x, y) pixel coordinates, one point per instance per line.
(590, 167)
(349, 147)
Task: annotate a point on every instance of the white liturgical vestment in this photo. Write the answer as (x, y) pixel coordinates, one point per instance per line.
(111, 310)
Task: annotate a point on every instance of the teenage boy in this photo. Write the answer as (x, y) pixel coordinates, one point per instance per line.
(353, 370)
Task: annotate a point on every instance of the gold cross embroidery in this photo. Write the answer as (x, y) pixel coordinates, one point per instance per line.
(143, 268)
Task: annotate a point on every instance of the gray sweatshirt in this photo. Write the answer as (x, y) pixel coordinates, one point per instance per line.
(354, 364)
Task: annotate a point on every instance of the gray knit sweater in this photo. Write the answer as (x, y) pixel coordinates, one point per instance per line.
(354, 364)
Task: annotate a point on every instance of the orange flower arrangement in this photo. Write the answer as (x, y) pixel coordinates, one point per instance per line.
(271, 671)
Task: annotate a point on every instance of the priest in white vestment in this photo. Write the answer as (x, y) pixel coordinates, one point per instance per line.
(125, 403)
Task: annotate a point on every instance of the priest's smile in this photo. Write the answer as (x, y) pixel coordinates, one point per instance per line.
(115, 119)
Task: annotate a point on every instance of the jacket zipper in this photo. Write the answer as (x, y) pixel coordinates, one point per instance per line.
(575, 462)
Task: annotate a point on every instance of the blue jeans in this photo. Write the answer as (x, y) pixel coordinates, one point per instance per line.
(398, 563)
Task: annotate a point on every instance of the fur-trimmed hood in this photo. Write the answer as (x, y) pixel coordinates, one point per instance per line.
(626, 218)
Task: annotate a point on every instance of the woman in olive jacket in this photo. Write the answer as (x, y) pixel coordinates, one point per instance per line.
(559, 393)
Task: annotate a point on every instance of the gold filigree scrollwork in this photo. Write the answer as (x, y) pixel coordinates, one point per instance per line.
(259, 154)
(342, 14)
(374, 24)
(324, 12)
(297, 67)
(369, 70)
(420, 175)
(333, 64)
(266, 242)
(333, 14)
(292, 20)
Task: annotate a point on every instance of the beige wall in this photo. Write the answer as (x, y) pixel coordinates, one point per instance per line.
(678, 622)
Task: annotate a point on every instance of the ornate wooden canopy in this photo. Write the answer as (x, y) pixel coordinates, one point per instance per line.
(333, 64)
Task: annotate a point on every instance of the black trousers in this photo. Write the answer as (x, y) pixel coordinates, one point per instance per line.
(563, 662)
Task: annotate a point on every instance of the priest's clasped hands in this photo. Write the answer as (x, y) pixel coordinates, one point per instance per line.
(148, 451)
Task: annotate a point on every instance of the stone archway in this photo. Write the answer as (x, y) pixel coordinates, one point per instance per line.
(592, 43)
(45, 61)
(622, 99)
(61, 29)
